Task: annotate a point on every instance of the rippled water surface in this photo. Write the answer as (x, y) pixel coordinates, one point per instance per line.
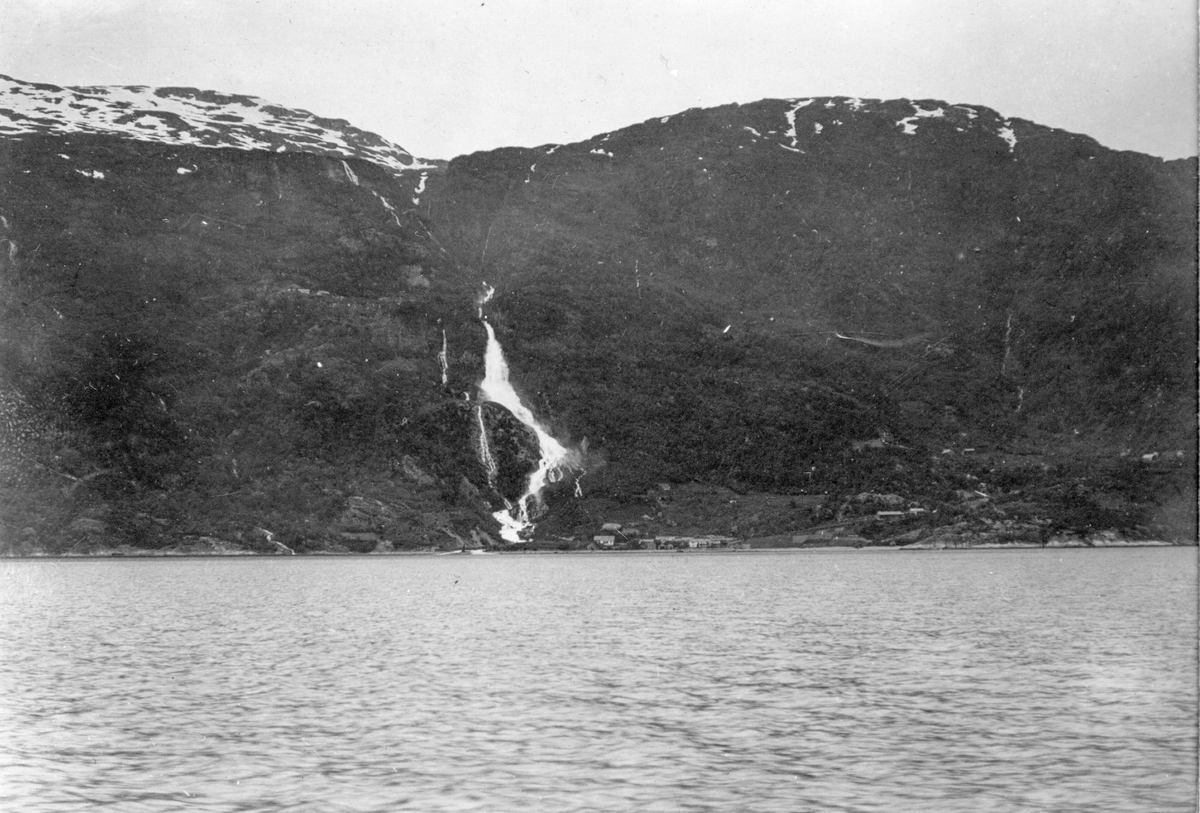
(857, 681)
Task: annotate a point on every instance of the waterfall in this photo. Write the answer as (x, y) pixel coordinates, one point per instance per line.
(485, 450)
(510, 526)
(1007, 345)
(555, 457)
(444, 360)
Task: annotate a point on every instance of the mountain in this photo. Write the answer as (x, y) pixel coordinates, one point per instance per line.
(249, 327)
(187, 116)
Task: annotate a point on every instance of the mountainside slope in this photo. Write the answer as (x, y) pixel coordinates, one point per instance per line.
(1008, 242)
(749, 294)
(207, 338)
(252, 344)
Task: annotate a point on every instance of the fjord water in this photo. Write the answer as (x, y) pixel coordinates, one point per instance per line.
(857, 681)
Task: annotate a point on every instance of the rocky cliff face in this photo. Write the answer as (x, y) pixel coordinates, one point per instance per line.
(220, 316)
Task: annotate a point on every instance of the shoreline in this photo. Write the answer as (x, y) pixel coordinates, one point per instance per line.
(915, 547)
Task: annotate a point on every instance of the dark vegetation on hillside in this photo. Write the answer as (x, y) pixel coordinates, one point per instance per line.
(245, 346)
(1039, 301)
(248, 352)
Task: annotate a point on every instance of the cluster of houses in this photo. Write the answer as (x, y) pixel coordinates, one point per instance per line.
(915, 511)
(613, 536)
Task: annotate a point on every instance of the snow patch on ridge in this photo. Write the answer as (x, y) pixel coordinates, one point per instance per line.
(790, 115)
(909, 123)
(1006, 133)
(187, 116)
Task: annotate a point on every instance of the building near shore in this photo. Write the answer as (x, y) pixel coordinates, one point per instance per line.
(695, 542)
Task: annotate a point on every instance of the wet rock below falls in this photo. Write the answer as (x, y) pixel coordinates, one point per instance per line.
(513, 446)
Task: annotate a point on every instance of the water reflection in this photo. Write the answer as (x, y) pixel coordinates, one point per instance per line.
(984, 681)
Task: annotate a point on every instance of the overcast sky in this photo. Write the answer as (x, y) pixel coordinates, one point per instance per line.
(446, 77)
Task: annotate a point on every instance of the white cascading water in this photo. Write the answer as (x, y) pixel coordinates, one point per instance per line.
(444, 360)
(555, 457)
